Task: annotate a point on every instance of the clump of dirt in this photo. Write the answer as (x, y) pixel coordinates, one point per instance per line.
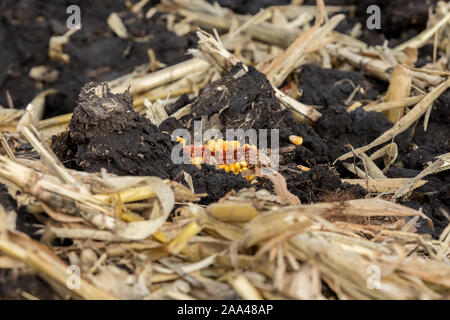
(241, 100)
(105, 132)
(95, 52)
(246, 100)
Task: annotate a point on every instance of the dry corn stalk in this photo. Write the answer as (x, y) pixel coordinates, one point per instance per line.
(402, 103)
(378, 68)
(383, 185)
(399, 88)
(67, 199)
(213, 51)
(19, 246)
(440, 164)
(158, 78)
(279, 69)
(404, 122)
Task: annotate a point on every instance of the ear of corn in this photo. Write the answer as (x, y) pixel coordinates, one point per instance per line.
(229, 156)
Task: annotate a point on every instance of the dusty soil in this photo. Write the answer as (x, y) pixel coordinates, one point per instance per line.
(95, 52)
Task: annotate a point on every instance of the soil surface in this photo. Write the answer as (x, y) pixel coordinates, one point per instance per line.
(248, 102)
(13, 283)
(105, 132)
(338, 129)
(95, 52)
(400, 19)
(20, 285)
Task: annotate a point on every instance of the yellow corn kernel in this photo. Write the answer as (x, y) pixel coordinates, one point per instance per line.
(211, 145)
(243, 163)
(296, 140)
(226, 145)
(196, 160)
(225, 167)
(303, 168)
(218, 147)
(231, 145)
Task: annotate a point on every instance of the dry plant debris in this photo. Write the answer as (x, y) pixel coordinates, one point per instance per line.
(362, 184)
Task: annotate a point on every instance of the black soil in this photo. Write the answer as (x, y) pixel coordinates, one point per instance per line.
(330, 87)
(247, 102)
(242, 100)
(96, 53)
(105, 132)
(338, 130)
(400, 19)
(321, 184)
(249, 6)
(14, 283)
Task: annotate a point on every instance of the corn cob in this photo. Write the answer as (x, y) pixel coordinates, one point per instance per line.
(229, 156)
